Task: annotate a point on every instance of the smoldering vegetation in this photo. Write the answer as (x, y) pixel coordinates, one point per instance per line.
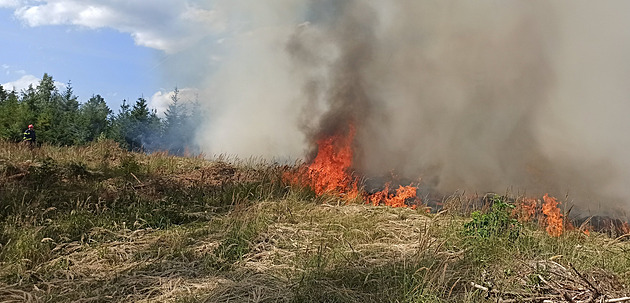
(526, 96)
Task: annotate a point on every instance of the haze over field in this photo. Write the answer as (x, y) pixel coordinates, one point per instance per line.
(481, 96)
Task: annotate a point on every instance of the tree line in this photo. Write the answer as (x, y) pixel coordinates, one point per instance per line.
(60, 119)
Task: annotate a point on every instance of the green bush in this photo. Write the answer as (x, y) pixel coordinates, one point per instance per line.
(496, 223)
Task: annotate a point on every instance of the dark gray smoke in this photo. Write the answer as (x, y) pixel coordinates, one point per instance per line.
(343, 91)
(477, 96)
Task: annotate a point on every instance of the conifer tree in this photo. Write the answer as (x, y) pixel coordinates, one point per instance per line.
(28, 100)
(121, 124)
(46, 110)
(174, 137)
(3, 94)
(95, 116)
(138, 127)
(69, 130)
(12, 117)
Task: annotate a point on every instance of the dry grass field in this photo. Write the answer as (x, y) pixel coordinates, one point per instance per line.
(100, 224)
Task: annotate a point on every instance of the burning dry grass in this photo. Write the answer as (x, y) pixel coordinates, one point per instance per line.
(330, 173)
(553, 216)
(156, 228)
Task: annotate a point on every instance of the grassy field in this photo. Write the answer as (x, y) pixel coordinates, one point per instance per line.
(100, 224)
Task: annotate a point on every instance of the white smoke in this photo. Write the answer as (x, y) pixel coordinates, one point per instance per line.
(482, 96)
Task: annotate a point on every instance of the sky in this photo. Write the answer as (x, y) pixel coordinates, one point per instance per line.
(121, 50)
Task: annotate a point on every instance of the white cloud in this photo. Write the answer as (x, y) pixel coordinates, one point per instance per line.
(10, 3)
(21, 83)
(162, 99)
(27, 80)
(168, 25)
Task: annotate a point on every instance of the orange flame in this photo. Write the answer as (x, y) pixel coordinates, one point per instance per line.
(554, 220)
(330, 172)
(394, 200)
(526, 210)
(378, 197)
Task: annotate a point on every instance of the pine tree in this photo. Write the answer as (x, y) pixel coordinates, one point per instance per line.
(153, 132)
(28, 100)
(138, 127)
(69, 130)
(44, 109)
(140, 111)
(3, 94)
(121, 125)
(196, 117)
(174, 136)
(95, 118)
(70, 102)
(13, 119)
(139, 119)
(46, 90)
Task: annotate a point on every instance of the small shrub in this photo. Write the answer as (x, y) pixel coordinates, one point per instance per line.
(498, 222)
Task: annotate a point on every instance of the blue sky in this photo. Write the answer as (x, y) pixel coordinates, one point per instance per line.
(120, 50)
(101, 61)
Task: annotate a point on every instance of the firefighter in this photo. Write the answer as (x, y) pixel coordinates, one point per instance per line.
(29, 136)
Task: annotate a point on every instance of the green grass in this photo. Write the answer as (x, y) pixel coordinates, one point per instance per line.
(101, 224)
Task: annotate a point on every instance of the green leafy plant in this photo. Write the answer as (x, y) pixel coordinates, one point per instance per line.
(496, 222)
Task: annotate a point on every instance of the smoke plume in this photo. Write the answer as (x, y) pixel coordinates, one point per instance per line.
(478, 96)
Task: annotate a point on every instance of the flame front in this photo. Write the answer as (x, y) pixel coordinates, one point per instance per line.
(330, 170)
(554, 220)
(394, 200)
(331, 173)
(526, 209)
